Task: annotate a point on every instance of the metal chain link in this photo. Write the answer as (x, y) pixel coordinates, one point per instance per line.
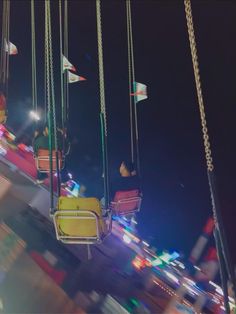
(220, 238)
(100, 63)
(45, 69)
(66, 47)
(4, 66)
(192, 40)
(131, 40)
(134, 81)
(4, 42)
(49, 68)
(34, 65)
(8, 35)
(52, 76)
(3, 52)
(51, 100)
(61, 67)
(130, 80)
(103, 115)
(48, 98)
(66, 54)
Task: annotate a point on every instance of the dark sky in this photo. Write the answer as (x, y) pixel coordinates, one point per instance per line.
(176, 194)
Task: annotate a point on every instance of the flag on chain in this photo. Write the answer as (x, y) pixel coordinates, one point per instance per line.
(140, 91)
(73, 78)
(67, 65)
(11, 48)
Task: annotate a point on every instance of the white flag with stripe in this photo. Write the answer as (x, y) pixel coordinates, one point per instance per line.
(73, 78)
(67, 65)
(140, 91)
(11, 48)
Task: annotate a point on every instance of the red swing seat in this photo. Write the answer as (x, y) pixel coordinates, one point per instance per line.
(126, 202)
(43, 160)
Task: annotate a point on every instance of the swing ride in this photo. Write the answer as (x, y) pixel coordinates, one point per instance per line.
(80, 220)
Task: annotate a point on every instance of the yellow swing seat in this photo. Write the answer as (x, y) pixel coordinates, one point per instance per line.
(79, 220)
(3, 116)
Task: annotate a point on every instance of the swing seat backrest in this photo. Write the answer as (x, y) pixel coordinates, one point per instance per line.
(126, 202)
(43, 160)
(79, 219)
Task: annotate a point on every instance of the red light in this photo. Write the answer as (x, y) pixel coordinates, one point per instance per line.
(139, 262)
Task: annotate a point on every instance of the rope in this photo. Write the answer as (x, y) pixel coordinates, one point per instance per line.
(102, 103)
(33, 59)
(208, 155)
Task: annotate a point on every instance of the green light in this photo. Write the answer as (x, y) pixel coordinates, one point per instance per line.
(134, 301)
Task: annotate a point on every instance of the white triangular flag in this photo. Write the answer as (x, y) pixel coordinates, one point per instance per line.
(140, 91)
(67, 65)
(73, 78)
(13, 49)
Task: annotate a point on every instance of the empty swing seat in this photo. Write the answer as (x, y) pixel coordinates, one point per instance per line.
(79, 220)
(126, 202)
(43, 160)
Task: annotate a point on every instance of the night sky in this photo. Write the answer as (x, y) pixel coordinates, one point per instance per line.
(176, 194)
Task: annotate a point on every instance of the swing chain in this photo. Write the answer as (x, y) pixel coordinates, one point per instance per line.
(100, 63)
(220, 238)
(52, 76)
(192, 40)
(48, 98)
(130, 72)
(61, 67)
(4, 62)
(33, 58)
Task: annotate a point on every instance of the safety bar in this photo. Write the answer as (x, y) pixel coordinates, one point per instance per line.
(46, 158)
(66, 214)
(116, 205)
